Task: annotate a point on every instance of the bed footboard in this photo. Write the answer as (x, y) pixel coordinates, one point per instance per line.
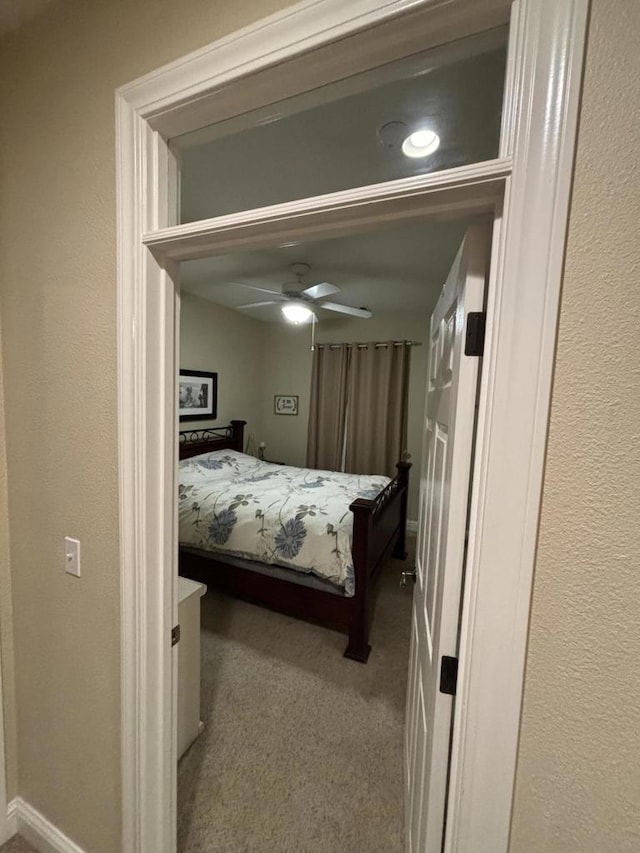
(379, 532)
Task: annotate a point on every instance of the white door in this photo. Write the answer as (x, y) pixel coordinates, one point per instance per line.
(444, 493)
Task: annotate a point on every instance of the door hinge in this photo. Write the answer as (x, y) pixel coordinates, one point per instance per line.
(448, 675)
(474, 339)
(175, 635)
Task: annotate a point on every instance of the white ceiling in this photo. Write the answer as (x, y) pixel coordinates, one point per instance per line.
(399, 269)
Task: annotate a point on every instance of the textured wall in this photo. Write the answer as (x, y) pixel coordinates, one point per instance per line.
(58, 306)
(579, 748)
(578, 784)
(226, 342)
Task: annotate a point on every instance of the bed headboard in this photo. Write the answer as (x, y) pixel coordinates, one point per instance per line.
(193, 442)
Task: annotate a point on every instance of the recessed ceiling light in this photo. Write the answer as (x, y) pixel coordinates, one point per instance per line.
(296, 312)
(420, 143)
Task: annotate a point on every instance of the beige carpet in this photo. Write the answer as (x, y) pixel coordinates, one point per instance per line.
(302, 749)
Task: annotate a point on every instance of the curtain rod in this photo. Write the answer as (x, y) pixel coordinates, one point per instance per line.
(377, 344)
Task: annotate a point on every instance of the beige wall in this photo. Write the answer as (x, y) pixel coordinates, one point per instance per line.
(578, 756)
(287, 370)
(225, 342)
(578, 788)
(58, 311)
(256, 360)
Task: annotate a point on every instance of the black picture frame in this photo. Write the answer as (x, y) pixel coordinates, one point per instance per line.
(203, 398)
(285, 404)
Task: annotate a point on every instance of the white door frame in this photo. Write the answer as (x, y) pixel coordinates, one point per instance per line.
(533, 172)
(6, 824)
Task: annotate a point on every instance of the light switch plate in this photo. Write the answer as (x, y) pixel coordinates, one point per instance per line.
(72, 556)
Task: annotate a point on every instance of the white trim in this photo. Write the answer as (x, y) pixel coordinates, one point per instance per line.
(545, 58)
(412, 527)
(190, 93)
(470, 189)
(5, 828)
(35, 828)
(5, 824)
(524, 297)
(147, 458)
(11, 818)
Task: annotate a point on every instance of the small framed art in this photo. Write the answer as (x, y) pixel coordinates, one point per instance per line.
(197, 395)
(285, 404)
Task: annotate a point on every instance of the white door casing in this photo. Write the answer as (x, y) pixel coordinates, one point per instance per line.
(444, 490)
(546, 52)
(5, 826)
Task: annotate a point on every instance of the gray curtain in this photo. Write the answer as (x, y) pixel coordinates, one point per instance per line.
(376, 419)
(325, 440)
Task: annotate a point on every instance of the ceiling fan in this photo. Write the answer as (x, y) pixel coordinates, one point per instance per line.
(298, 301)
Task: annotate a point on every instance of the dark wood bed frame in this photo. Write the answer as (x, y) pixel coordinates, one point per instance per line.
(379, 530)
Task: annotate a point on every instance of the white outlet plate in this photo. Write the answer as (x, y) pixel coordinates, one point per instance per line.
(72, 556)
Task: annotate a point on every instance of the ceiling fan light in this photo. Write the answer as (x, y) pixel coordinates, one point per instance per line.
(296, 312)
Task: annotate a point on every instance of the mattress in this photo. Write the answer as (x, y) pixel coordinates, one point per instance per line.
(297, 518)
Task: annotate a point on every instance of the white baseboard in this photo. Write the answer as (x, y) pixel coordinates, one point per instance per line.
(412, 527)
(37, 830)
(12, 819)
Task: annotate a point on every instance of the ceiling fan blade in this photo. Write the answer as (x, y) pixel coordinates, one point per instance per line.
(346, 309)
(258, 304)
(259, 289)
(319, 291)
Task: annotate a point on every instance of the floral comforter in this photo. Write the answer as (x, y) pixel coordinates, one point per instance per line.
(293, 517)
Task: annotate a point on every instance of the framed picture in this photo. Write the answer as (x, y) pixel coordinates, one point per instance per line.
(285, 404)
(197, 395)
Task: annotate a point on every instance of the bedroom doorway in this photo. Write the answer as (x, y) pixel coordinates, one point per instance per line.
(395, 276)
(531, 172)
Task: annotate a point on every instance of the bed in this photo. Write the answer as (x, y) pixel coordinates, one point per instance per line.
(308, 543)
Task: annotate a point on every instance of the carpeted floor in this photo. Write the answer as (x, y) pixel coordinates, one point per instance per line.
(302, 749)
(17, 844)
